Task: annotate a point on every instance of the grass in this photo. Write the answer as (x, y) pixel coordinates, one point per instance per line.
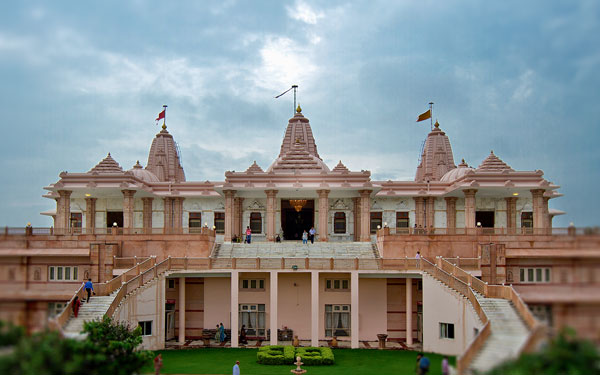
(216, 361)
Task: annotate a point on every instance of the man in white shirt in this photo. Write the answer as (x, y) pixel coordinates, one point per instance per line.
(236, 368)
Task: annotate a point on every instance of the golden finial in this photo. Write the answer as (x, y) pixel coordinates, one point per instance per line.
(298, 109)
(463, 161)
(164, 126)
(437, 124)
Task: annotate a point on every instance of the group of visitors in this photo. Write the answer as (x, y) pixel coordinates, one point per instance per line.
(423, 363)
(220, 334)
(310, 235)
(89, 288)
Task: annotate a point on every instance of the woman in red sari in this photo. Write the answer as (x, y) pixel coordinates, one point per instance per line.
(76, 306)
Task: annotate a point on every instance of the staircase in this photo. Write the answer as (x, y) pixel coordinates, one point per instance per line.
(509, 333)
(292, 249)
(94, 310)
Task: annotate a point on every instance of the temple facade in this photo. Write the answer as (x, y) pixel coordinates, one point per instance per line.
(418, 262)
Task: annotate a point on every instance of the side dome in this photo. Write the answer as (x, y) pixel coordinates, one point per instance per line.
(454, 174)
(143, 174)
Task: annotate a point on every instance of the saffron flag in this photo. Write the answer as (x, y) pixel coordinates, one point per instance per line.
(424, 116)
(161, 115)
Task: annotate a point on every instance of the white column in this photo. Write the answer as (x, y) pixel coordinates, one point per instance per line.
(409, 337)
(234, 308)
(182, 310)
(273, 313)
(354, 343)
(314, 309)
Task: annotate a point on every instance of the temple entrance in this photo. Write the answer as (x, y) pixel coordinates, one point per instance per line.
(294, 223)
(486, 218)
(114, 217)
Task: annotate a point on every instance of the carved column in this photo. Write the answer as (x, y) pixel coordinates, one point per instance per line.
(547, 213)
(419, 211)
(356, 202)
(178, 214)
(451, 213)
(409, 305)
(63, 210)
(229, 195)
(323, 213)
(365, 215)
(168, 215)
(90, 215)
(511, 214)
(540, 208)
(128, 208)
(238, 224)
(271, 206)
(147, 213)
(430, 210)
(470, 207)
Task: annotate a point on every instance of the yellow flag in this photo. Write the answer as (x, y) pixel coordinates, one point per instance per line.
(424, 116)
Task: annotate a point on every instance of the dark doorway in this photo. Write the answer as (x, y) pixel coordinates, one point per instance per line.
(114, 217)
(486, 218)
(294, 223)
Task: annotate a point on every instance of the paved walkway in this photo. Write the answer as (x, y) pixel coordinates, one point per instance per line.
(291, 249)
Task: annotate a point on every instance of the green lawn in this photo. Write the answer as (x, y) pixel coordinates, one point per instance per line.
(347, 362)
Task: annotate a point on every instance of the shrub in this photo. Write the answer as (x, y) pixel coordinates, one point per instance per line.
(316, 356)
(275, 355)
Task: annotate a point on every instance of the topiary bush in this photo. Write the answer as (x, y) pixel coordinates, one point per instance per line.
(275, 355)
(316, 356)
(286, 355)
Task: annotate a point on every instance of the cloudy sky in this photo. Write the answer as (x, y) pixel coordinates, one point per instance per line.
(81, 79)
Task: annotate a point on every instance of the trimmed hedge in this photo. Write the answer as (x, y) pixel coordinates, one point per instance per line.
(316, 356)
(286, 355)
(276, 355)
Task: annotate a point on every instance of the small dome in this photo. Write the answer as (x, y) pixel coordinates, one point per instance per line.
(107, 165)
(456, 173)
(143, 174)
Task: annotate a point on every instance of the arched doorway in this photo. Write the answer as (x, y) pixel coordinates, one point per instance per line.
(293, 222)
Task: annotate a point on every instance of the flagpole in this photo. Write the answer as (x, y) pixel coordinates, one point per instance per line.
(295, 87)
(165, 118)
(431, 114)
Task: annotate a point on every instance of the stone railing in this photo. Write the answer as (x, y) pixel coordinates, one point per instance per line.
(51, 231)
(570, 231)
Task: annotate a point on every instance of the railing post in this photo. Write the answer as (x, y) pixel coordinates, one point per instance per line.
(137, 269)
(458, 261)
(169, 263)
(307, 263)
(331, 263)
(155, 272)
(282, 263)
(233, 263)
(356, 264)
(257, 263)
(485, 289)
(185, 263)
(209, 263)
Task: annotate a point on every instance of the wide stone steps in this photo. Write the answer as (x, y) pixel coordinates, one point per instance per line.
(296, 249)
(508, 335)
(94, 310)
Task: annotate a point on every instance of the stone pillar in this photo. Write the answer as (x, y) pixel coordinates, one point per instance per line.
(273, 308)
(168, 215)
(539, 211)
(271, 207)
(178, 214)
(419, 211)
(128, 209)
(430, 212)
(323, 213)
(90, 215)
(356, 202)
(147, 203)
(235, 281)
(181, 310)
(451, 214)
(547, 218)
(365, 215)
(354, 309)
(409, 336)
(238, 225)
(470, 207)
(511, 214)
(229, 195)
(314, 309)
(63, 211)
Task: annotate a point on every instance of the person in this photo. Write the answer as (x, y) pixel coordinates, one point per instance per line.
(248, 235)
(312, 232)
(304, 237)
(76, 306)
(217, 334)
(243, 339)
(424, 365)
(445, 366)
(278, 238)
(89, 288)
(417, 366)
(236, 368)
(418, 258)
(221, 333)
(157, 364)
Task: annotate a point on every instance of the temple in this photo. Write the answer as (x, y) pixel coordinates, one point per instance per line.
(462, 260)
